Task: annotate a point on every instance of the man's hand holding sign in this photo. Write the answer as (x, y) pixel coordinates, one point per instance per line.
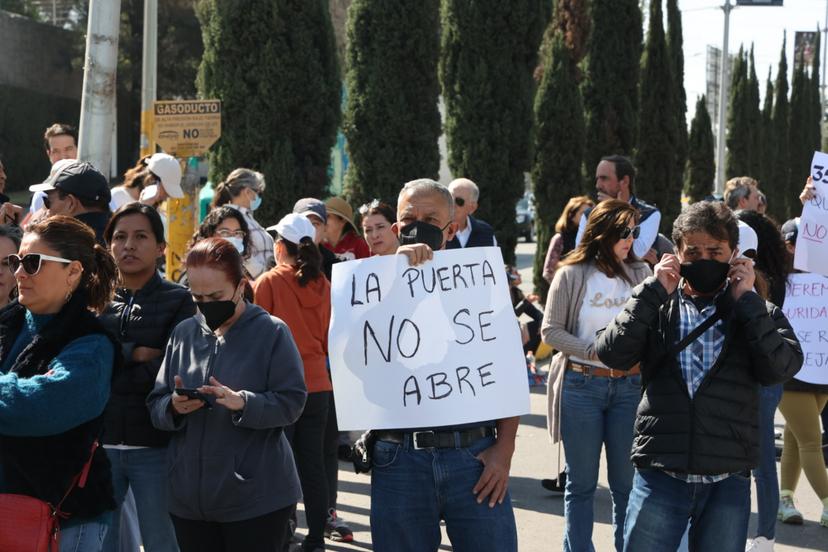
(425, 351)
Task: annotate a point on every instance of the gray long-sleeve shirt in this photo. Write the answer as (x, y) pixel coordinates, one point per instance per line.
(230, 466)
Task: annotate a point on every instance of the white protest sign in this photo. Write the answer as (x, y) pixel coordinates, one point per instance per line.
(432, 345)
(812, 238)
(806, 308)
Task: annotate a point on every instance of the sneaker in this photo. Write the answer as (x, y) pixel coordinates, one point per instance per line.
(555, 486)
(788, 512)
(336, 529)
(759, 544)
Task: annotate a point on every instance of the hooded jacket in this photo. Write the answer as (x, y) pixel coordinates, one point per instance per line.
(229, 466)
(307, 312)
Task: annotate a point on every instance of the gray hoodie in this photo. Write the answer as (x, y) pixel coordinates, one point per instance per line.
(226, 466)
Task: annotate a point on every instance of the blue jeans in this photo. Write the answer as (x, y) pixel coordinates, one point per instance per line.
(145, 472)
(767, 482)
(86, 537)
(596, 412)
(660, 506)
(412, 490)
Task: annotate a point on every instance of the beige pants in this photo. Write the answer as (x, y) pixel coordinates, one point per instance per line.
(803, 441)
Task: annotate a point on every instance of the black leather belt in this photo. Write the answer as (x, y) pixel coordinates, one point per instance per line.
(437, 439)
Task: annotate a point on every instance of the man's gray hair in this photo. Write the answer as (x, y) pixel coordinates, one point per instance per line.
(422, 186)
(466, 183)
(738, 188)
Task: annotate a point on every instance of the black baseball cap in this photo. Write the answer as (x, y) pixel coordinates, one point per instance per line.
(790, 230)
(78, 178)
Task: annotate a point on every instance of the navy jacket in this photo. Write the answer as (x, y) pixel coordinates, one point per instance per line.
(482, 235)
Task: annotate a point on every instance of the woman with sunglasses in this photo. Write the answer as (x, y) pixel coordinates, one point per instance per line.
(10, 237)
(591, 406)
(56, 365)
(230, 381)
(230, 224)
(377, 220)
(143, 314)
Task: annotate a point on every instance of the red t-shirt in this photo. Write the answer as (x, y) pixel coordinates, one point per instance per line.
(350, 247)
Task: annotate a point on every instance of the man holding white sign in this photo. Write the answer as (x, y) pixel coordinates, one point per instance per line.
(427, 346)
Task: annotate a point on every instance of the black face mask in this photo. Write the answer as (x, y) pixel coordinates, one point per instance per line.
(422, 232)
(705, 275)
(216, 313)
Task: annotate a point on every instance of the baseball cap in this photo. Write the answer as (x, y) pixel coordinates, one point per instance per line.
(338, 206)
(167, 168)
(748, 241)
(78, 178)
(790, 230)
(293, 227)
(311, 206)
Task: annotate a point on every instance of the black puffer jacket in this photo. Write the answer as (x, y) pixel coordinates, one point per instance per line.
(145, 319)
(716, 431)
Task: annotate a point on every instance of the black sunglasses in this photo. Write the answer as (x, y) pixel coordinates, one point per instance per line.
(626, 231)
(31, 262)
(459, 201)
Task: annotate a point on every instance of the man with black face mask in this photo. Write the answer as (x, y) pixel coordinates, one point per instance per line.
(459, 473)
(705, 342)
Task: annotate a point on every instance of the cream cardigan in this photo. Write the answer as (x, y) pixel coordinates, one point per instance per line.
(560, 326)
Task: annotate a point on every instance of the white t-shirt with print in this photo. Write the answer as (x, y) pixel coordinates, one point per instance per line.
(603, 300)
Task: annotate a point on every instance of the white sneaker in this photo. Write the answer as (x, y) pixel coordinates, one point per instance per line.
(759, 544)
(788, 512)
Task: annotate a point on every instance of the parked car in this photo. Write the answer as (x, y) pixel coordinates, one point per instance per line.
(525, 216)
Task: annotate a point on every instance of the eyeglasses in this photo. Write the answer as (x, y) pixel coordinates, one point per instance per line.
(626, 231)
(224, 233)
(32, 262)
(459, 201)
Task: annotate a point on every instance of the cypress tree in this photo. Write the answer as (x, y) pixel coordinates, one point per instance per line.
(391, 118)
(488, 55)
(610, 89)
(701, 159)
(754, 116)
(767, 147)
(559, 145)
(658, 180)
(737, 162)
(675, 47)
(273, 65)
(799, 135)
(815, 115)
(780, 171)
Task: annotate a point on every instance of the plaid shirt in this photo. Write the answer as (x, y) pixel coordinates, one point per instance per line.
(696, 360)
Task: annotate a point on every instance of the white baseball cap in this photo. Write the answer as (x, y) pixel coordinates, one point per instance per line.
(293, 227)
(748, 241)
(167, 168)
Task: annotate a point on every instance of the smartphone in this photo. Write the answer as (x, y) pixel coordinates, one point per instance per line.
(191, 393)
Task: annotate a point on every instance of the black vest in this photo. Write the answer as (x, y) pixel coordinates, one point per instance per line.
(43, 467)
(482, 235)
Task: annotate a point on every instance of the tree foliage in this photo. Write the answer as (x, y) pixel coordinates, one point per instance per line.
(610, 88)
(559, 145)
(767, 150)
(701, 158)
(776, 190)
(658, 180)
(675, 48)
(799, 135)
(754, 117)
(391, 119)
(488, 55)
(273, 65)
(739, 128)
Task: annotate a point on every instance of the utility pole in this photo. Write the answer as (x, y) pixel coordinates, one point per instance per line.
(148, 75)
(98, 101)
(723, 99)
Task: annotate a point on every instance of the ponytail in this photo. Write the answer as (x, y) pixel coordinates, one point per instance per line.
(100, 283)
(222, 196)
(308, 259)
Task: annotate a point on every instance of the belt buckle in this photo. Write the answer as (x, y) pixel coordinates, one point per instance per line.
(614, 373)
(414, 436)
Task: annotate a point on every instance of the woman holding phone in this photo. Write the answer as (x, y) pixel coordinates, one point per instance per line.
(233, 373)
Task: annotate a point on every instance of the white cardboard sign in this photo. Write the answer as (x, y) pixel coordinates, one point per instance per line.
(812, 238)
(806, 308)
(432, 345)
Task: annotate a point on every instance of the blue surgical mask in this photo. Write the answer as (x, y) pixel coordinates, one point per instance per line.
(256, 203)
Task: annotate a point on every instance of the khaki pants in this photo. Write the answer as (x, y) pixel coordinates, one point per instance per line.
(803, 441)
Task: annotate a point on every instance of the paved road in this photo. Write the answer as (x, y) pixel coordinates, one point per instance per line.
(539, 514)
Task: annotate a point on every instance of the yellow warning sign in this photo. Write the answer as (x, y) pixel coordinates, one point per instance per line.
(186, 128)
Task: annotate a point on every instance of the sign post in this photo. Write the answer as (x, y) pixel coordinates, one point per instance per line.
(433, 345)
(184, 128)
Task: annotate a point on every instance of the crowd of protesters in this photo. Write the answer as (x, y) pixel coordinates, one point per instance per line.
(195, 415)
